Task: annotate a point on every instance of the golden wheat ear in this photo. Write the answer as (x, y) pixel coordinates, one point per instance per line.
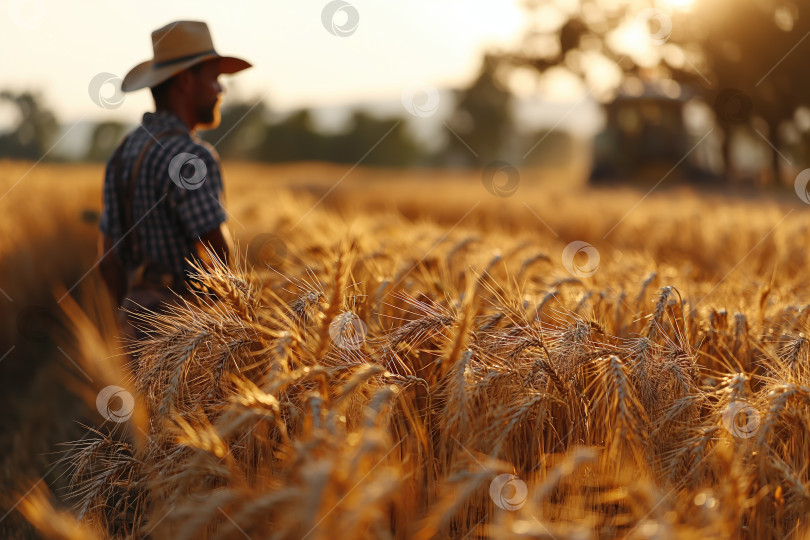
(38, 508)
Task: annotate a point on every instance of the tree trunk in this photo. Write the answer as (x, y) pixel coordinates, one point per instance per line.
(773, 133)
(725, 149)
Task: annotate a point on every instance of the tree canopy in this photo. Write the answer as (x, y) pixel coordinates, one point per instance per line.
(743, 57)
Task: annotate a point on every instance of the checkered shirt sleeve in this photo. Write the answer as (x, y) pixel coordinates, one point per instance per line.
(200, 210)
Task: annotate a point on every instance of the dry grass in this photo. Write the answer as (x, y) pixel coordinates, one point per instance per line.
(267, 414)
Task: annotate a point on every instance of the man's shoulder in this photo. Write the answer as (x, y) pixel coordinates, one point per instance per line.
(165, 145)
(193, 145)
(204, 147)
(183, 147)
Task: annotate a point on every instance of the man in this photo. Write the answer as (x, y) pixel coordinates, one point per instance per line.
(163, 186)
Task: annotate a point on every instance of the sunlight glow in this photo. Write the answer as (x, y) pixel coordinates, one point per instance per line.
(634, 39)
(296, 61)
(682, 5)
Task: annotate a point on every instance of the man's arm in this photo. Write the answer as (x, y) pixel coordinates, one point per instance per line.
(201, 211)
(112, 270)
(221, 243)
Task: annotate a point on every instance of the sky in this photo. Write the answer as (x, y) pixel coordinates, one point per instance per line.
(58, 47)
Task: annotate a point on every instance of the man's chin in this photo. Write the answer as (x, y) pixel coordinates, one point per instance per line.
(214, 124)
(210, 121)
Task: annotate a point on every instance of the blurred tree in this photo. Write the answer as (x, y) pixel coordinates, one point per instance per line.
(756, 54)
(241, 131)
(32, 136)
(105, 138)
(292, 139)
(482, 121)
(743, 56)
(555, 150)
(383, 141)
(376, 141)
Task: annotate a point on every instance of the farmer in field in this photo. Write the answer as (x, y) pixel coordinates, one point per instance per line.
(163, 186)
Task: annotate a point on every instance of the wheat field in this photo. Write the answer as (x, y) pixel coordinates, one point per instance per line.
(401, 354)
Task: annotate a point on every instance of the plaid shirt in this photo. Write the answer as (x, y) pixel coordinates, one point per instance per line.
(165, 235)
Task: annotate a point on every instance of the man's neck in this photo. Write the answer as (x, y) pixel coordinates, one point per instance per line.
(186, 118)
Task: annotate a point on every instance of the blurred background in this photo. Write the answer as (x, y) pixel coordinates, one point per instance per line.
(624, 90)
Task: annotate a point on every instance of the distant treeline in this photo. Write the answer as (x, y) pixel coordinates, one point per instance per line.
(479, 130)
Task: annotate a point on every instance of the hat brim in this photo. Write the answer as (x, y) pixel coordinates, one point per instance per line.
(147, 74)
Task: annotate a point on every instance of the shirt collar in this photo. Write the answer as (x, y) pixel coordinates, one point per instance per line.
(162, 120)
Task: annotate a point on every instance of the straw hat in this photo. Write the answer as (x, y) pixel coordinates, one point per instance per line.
(178, 46)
